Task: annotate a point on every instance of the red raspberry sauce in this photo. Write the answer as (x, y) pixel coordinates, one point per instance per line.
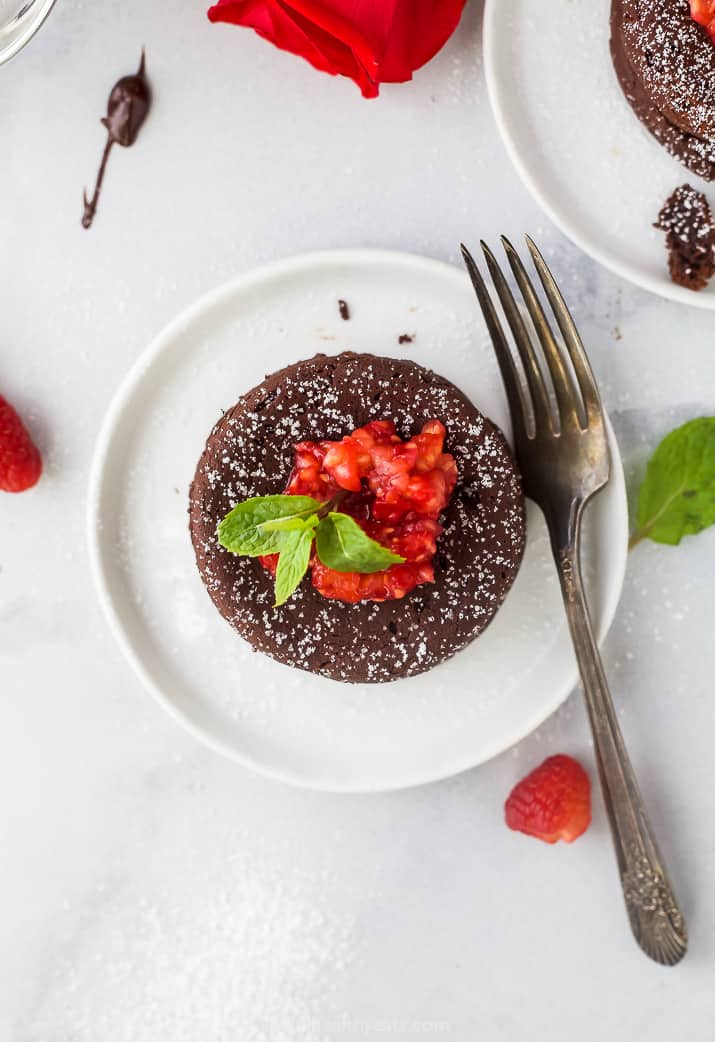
(396, 492)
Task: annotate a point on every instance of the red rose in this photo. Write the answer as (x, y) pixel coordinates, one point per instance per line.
(371, 41)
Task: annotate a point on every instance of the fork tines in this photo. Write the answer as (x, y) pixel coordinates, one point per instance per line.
(572, 384)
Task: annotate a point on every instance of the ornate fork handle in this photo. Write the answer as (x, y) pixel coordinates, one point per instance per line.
(653, 911)
(562, 446)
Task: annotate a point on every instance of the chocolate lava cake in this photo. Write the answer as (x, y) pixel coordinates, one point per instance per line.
(250, 452)
(665, 63)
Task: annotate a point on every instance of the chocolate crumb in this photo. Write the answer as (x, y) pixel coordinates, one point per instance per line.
(405, 338)
(689, 229)
(344, 310)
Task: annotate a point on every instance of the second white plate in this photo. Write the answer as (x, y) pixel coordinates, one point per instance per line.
(306, 729)
(575, 141)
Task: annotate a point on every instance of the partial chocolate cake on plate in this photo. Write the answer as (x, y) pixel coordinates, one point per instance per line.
(251, 452)
(665, 63)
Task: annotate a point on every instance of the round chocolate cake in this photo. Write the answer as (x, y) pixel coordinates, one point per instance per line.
(250, 453)
(665, 63)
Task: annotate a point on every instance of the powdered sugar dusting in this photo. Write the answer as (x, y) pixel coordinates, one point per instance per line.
(675, 60)
(238, 948)
(250, 453)
(665, 64)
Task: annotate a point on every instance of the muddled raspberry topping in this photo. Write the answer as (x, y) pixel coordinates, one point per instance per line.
(703, 12)
(395, 491)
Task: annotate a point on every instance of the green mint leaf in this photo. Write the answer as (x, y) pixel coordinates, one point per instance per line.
(292, 563)
(290, 524)
(242, 530)
(343, 546)
(677, 496)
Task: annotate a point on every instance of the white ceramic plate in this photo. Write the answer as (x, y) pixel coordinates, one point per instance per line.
(306, 729)
(574, 139)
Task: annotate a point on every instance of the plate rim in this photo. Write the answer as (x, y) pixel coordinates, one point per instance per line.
(98, 476)
(665, 289)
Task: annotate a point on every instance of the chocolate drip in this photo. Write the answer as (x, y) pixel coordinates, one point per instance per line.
(127, 108)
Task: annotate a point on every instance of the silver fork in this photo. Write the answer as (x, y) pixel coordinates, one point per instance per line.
(562, 451)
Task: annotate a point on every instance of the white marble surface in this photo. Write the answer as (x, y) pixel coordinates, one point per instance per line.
(152, 892)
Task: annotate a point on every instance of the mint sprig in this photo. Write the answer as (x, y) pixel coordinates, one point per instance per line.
(342, 545)
(288, 526)
(677, 497)
(292, 563)
(251, 528)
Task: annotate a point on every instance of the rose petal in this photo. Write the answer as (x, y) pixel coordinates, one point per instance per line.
(420, 29)
(292, 31)
(370, 41)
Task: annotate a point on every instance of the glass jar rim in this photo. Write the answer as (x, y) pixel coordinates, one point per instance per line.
(14, 37)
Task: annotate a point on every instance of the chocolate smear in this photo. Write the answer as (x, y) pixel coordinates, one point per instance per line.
(344, 310)
(405, 338)
(127, 108)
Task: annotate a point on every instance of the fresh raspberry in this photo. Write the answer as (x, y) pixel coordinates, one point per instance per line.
(551, 803)
(396, 492)
(20, 462)
(391, 584)
(703, 12)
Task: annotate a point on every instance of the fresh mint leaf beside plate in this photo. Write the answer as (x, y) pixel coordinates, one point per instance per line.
(677, 497)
